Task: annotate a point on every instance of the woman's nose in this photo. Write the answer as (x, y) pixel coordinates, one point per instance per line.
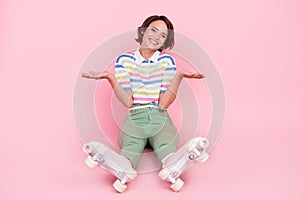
(157, 36)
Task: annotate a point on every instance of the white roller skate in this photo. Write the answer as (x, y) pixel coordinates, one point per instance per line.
(116, 164)
(176, 163)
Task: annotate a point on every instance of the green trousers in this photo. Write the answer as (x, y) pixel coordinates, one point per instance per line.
(151, 126)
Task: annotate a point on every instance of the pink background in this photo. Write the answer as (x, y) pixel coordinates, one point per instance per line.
(255, 46)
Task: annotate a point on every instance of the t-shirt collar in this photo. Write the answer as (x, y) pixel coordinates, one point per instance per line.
(140, 59)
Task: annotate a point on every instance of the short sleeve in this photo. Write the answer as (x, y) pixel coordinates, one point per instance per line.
(169, 73)
(122, 73)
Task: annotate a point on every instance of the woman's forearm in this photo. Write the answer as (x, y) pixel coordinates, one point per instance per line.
(168, 97)
(125, 97)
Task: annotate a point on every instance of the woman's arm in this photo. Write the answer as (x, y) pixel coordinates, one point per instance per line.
(125, 97)
(168, 97)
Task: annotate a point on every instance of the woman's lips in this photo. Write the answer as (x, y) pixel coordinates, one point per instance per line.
(153, 41)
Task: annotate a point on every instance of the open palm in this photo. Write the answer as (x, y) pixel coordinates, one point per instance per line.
(187, 74)
(96, 75)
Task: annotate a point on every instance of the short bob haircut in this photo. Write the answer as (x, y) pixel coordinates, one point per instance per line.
(169, 43)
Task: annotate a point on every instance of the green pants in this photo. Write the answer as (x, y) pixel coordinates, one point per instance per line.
(144, 126)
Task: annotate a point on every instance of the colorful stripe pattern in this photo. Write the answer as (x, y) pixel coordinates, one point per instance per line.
(145, 78)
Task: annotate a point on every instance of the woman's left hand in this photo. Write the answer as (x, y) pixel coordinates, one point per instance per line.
(186, 74)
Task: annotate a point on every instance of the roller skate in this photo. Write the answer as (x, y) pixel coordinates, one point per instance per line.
(176, 163)
(114, 163)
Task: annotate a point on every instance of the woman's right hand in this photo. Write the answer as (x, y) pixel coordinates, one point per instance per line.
(96, 75)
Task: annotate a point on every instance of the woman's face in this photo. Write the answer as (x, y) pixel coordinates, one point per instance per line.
(155, 35)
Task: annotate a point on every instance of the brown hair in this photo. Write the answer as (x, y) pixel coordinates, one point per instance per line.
(169, 43)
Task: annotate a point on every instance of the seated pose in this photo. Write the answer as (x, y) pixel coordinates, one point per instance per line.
(146, 81)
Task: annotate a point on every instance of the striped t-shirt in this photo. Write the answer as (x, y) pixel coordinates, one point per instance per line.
(145, 78)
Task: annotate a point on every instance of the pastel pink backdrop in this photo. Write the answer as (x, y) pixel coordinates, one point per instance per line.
(255, 46)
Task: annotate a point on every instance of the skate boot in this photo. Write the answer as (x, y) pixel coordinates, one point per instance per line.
(114, 163)
(176, 163)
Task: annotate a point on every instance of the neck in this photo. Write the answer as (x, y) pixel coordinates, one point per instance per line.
(147, 53)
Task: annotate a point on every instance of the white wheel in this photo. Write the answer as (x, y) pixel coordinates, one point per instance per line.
(90, 162)
(164, 173)
(203, 158)
(177, 185)
(119, 186)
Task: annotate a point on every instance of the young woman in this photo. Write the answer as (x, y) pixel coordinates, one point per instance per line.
(146, 81)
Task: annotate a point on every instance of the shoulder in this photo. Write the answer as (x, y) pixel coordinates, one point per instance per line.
(126, 56)
(166, 57)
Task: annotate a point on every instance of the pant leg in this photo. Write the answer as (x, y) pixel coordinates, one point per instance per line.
(132, 147)
(132, 135)
(164, 142)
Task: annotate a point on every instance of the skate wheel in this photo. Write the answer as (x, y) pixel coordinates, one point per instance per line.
(120, 187)
(87, 148)
(90, 162)
(204, 143)
(177, 185)
(164, 173)
(203, 158)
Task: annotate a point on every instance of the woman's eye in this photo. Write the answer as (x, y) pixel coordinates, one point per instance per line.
(152, 29)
